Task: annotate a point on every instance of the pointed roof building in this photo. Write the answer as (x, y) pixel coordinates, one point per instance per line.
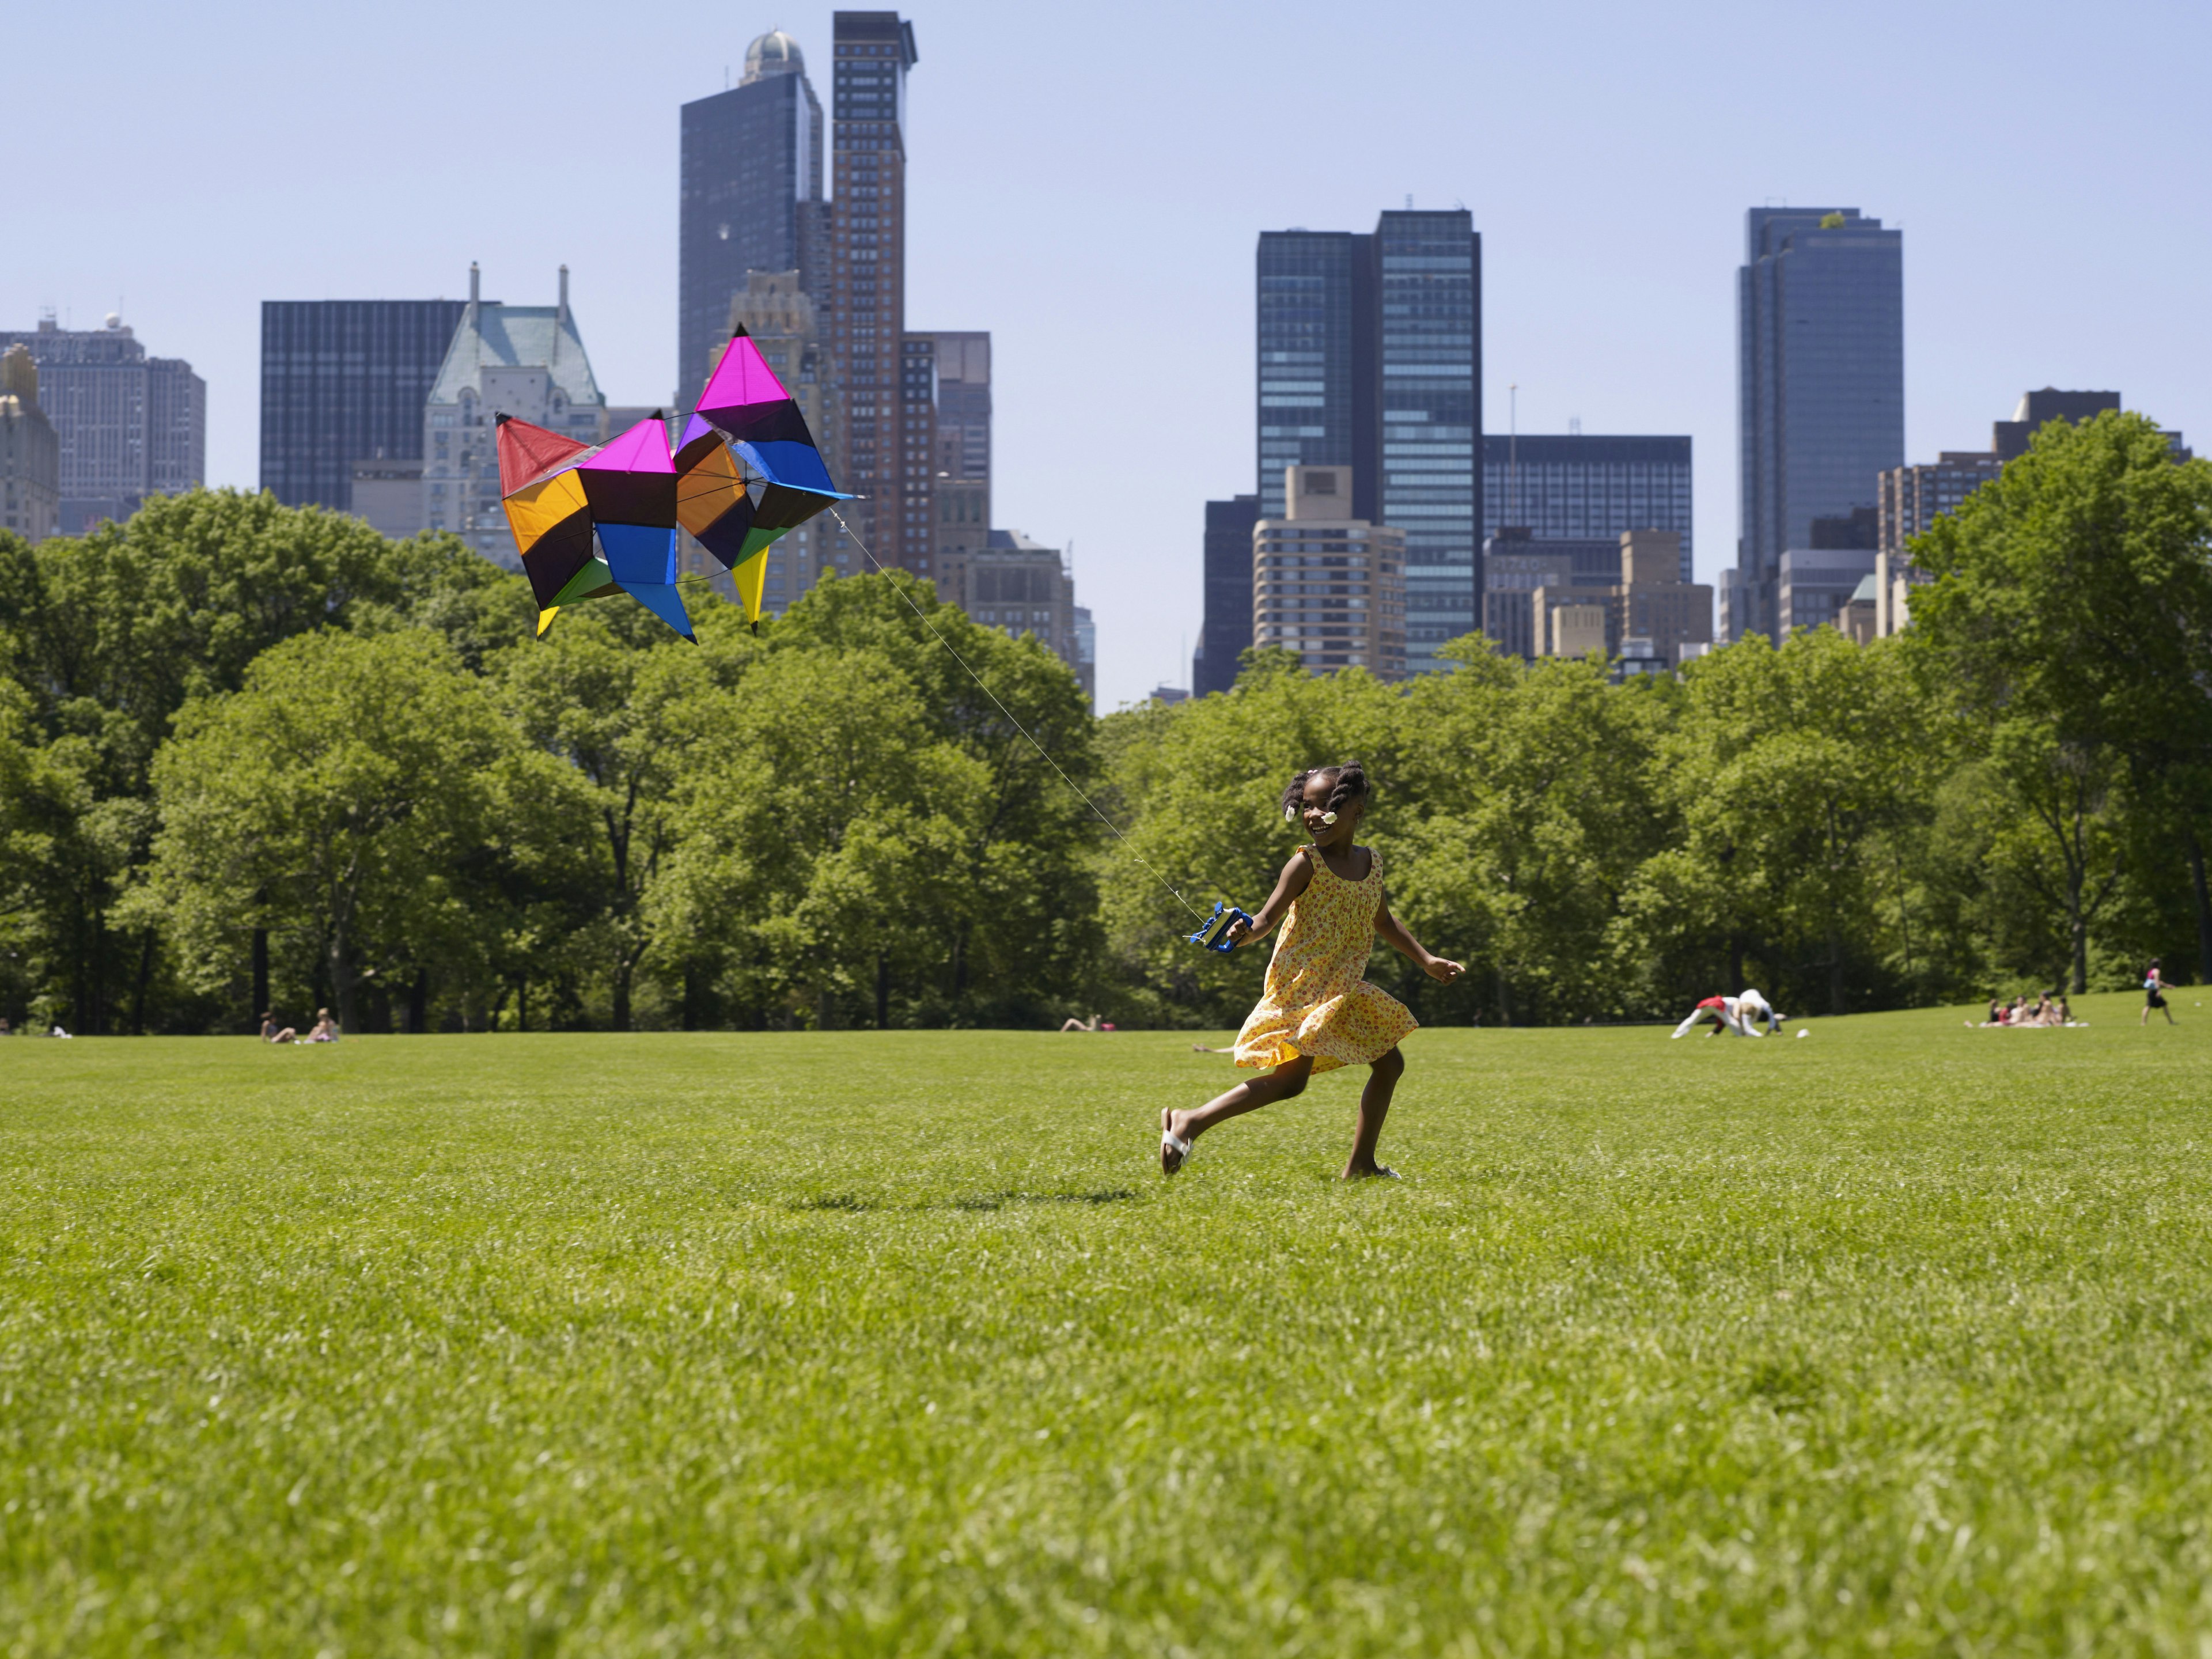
(526, 361)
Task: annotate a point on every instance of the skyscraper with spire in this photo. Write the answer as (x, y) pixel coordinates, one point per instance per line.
(750, 198)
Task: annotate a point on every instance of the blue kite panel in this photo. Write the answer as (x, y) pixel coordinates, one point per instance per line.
(665, 602)
(639, 553)
(798, 466)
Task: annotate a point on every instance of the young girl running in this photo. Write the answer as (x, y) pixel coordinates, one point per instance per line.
(1317, 1013)
(2154, 993)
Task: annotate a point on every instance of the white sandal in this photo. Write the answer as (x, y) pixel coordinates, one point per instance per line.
(1174, 1151)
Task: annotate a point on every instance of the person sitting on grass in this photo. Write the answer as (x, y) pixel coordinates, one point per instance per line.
(269, 1033)
(2155, 994)
(1316, 1012)
(325, 1030)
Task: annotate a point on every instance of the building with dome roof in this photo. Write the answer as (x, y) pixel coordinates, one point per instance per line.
(773, 53)
(751, 199)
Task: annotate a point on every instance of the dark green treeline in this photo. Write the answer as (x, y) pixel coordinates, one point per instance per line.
(259, 757)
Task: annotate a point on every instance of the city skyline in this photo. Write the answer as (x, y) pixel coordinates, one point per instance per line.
(1114, 275)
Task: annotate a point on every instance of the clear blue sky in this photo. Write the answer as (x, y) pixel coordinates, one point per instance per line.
(1088, 181)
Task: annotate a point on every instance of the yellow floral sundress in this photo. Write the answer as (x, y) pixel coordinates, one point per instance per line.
(1316, 1003)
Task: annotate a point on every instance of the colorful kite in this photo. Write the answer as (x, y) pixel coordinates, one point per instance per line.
(631, 494)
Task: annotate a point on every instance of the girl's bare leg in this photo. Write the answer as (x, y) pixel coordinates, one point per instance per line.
(1374, 1107)
(1283, 1082)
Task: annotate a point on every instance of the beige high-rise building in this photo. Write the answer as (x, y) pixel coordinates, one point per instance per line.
(775, 309)
(960, 466)
(1651, 603)
(1020, 586)
(30, 453)
(1330, 586)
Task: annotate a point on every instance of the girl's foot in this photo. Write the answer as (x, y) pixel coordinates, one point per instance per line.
(1370, 1172)
(1174, 1151)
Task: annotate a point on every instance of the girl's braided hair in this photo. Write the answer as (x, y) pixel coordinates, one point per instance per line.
(1349, 781)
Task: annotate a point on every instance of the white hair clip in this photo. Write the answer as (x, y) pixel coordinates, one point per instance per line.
(1329, 817)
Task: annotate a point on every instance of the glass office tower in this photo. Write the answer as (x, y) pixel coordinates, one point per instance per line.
(1370, 357)
(1569, 487)
(1227, 633)
(751, 199)
(344, 381)
(1308, 340)
(1820, 374)
(1427, 325)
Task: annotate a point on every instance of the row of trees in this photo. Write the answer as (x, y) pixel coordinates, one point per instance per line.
(248, 752)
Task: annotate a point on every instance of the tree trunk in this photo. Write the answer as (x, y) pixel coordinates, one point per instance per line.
(2077, 928)
(1835, 974)
(341, 978)
(260, 976)
(622, 996)
(1735, 963)
(882, 992)
(522, 1003)
(418, 1003)
(138, 992)
(2204, 910)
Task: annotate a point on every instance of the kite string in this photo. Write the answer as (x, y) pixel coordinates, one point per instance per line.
(924, 616)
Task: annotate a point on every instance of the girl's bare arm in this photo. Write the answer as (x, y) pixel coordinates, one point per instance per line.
(1294, 880)
(1393, 934)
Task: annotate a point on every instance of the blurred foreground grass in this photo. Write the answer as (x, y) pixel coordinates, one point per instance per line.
(1896, 1340)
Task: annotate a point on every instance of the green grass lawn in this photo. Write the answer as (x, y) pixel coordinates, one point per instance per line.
(1895, 1339)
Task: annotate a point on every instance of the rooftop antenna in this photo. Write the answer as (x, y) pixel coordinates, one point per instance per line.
(1513, 448)
(1409, 201)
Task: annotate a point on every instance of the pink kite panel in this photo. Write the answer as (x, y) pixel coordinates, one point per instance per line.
(742, 377)
(643, 448)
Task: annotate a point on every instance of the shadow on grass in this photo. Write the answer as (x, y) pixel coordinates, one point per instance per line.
(978, 1202)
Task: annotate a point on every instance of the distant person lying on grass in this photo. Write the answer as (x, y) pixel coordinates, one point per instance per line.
(327, 1028)
(1075, 1024)
(269, 1033)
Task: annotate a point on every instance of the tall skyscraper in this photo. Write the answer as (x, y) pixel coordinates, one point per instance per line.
(130, 426)
(1311, 286)
(885, 386)
(750, 198)
(524, 360)
(1820, 375)
(1226, 634)
(1428, 289)
(1573, 487)
(343, 382)
(960, 469)
(1369, 357)
(775, 310)
(30, 453)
